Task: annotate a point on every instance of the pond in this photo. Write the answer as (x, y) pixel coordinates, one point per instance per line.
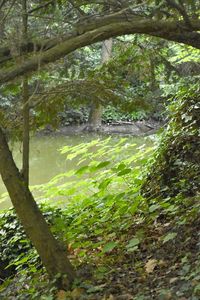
(46, 161)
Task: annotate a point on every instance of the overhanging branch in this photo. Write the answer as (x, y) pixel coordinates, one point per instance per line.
(103, 28)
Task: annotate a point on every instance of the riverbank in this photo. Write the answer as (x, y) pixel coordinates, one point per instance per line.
(137, 128)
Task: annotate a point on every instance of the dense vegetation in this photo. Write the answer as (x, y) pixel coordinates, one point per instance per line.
(122, 225)
(111, 234)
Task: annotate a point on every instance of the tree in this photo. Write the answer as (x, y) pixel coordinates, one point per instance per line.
(25, 100)
(94, 120)
(52, 253)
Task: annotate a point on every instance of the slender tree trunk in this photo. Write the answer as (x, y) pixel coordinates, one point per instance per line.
(153, 84)
(52, 253)
(94, 120)
(1, 25)
(26, 131)
(106, 51)
(25, 102)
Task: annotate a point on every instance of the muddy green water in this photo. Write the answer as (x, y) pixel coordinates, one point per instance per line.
(46, 160)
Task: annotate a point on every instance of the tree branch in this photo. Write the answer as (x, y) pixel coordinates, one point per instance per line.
(147, 25)
(104, 28)
(79, 10)
(41, 6)
(180, 8)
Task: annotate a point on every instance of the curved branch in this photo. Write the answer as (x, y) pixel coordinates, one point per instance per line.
(189, 37)
(103, 28)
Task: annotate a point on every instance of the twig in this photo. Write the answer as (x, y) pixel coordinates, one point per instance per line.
(40, 7)
(180, 8)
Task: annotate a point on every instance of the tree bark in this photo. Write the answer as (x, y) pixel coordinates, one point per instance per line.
(94, 120)
(52, 253)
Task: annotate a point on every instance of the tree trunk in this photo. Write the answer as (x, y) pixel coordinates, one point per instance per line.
(51, 252)
(2, 25)
(25, 102)
(94, 120)
(26, 132)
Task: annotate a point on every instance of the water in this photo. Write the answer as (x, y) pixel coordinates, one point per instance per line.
(46, 160)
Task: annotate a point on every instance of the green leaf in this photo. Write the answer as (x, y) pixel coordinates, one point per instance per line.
(104, 184)
(133, 242)
(121, 166)
(102, 164)
(170, 236)
(124, 172)
(82, 170)
(109, 247)
(154, 207)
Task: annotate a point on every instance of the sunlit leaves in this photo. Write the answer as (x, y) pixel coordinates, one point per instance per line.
(102, 165)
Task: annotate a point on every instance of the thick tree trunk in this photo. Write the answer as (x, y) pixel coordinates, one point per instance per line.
(96, 110)
(51, 252)
(94, 119)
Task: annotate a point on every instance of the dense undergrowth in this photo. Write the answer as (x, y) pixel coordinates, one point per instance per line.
(122, 246)
(176, 165)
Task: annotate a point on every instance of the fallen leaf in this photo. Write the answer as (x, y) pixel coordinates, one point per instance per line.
(61, 295)
(111, 297)
(150, 265)
(162, 263)
(76, 293)
(172, 280)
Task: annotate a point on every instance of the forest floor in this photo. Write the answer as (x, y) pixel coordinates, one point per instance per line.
(166, 265)
(161, 261)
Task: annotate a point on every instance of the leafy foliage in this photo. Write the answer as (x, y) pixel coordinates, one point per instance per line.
(111, 232)
(15, 247)
(176, 166)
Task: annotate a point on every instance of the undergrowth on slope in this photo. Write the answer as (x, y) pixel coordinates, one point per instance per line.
(176, 164)
(122, 246)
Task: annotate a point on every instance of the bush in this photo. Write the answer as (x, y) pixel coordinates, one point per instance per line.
(176, 165)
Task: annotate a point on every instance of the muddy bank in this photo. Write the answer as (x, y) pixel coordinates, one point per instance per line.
(137, 128)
